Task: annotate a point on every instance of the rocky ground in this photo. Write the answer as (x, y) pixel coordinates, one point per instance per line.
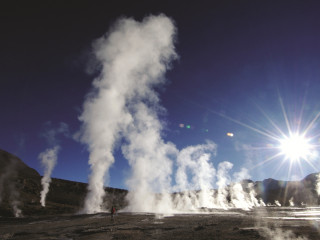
(258, 224)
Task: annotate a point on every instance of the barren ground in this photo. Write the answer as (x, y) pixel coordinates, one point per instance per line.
(266, 223)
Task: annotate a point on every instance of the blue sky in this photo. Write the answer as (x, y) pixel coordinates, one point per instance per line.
(235, 58)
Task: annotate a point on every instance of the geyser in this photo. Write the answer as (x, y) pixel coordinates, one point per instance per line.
(134, 57)
(123, 106)
(48, 160)
(49, 157)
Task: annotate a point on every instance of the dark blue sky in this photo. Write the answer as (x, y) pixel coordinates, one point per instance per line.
(235, 57)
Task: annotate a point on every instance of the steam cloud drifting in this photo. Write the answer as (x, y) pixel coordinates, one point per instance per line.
(124, 106)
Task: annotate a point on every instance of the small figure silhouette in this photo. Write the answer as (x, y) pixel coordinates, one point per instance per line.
(112, 212)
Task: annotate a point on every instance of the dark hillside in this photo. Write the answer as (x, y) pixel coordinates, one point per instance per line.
(20, 188)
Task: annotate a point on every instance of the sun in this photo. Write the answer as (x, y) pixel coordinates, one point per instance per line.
(295, 147)
(293, 142)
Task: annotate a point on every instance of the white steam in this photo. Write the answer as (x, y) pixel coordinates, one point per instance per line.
(279, 234)
(195, 172)
(124, 107)
(48, 160)
(195, 161)
(134, 57)
(49, 157)
(16, 210)
(318, 184)
(277, 203)
(291, 202)
(149, 158)
(195, 177)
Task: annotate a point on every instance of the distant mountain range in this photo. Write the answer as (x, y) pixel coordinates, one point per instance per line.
(297, 193)
(20, 188)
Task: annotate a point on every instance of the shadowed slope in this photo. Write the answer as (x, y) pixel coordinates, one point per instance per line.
(21, 185)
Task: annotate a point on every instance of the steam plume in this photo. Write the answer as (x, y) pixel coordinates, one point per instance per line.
(48, 159)
(16, 210)
(123, 107)
(276, 202)
(149, 157)
(223, 180)
(7, 184)
(195, 160)
(318, 184)
(134, 57)
(291, 202)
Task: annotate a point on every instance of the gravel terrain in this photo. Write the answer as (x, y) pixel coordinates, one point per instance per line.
(263, 223)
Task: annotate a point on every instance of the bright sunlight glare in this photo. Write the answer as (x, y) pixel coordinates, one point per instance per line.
(295, 147)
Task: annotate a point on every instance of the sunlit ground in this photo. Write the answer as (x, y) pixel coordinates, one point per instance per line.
(292, 213)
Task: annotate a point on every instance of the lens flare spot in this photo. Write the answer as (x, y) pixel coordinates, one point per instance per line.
(229, 134)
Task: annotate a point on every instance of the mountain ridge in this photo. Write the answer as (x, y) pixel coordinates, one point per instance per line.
(20, 188)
